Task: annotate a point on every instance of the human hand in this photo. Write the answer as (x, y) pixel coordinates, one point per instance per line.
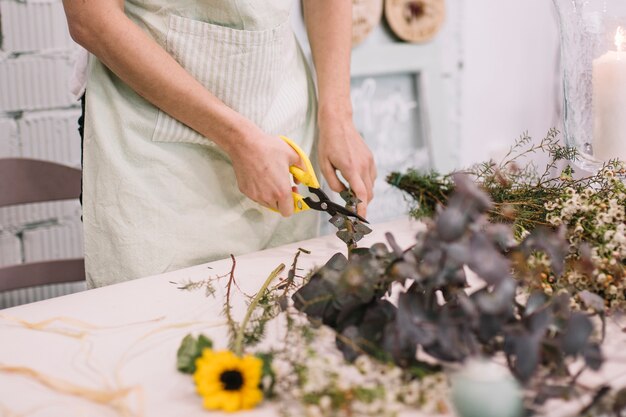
(341, 148)
(261, 163)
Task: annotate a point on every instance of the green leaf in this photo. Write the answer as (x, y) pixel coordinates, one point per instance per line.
(191, 349)
(267, 359)
(204, 343)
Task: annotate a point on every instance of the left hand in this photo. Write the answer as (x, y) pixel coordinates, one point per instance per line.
(341, 148)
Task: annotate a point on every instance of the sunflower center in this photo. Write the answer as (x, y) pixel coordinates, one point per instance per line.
(232, 380)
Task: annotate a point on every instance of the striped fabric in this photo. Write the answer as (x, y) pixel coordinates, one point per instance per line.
(245, 69)
(30, 295)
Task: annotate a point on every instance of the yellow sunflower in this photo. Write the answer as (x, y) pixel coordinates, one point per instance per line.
(228, 382)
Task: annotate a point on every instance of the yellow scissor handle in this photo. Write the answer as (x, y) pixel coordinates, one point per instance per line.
(305, 176)
(298, 203)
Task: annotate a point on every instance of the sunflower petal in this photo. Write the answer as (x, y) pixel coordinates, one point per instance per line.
(209, 370)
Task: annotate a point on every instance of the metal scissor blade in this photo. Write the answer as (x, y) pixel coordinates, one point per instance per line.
(327, 205)
(342, 210)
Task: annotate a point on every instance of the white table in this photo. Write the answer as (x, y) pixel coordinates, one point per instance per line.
(130, 333)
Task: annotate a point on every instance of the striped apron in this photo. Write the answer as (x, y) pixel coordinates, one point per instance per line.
(159, 196)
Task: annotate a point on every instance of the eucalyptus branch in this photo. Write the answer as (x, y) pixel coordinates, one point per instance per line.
(351, 243)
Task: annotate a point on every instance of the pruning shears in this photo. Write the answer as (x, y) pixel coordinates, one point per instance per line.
(307, 178)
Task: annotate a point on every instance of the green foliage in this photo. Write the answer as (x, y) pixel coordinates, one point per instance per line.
(518, 193)
(429, 190)
(268, 373)
(207, 285)
(191, 349)
(590, 208)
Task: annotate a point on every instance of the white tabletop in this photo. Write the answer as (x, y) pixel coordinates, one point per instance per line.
(125, 337)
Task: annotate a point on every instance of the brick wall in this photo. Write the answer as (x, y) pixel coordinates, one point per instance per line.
(38, 119)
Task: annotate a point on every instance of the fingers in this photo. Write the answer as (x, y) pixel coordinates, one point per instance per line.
(369, 184)
(282, 196)
(373, 172)
(363, 173)
(278, 198)
(368, 174)
(262, 173)
(294, 159)
(330, 174)
(361, 181)
(285, 204)
(292, 156)
(361, 191)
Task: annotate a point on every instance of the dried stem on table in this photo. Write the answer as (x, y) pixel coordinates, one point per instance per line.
(238, 348)
(232, 325)
(288, 284)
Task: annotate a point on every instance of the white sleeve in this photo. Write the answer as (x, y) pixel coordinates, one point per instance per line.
(78, 81)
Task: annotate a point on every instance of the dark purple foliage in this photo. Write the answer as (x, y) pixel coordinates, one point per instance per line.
(436, 313)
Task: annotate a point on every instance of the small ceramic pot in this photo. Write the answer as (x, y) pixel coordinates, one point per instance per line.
(485, 389)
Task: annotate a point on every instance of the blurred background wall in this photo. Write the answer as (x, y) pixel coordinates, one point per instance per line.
(37, 120)
(500, 58)
(510, 81)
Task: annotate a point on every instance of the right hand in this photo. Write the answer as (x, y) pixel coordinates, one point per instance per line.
(261, 164)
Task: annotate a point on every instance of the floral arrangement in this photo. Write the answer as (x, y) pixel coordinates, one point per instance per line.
(590, 208)
(538, 335)
(304, 370)
(602, 215)
(312, 378)
(351, 347)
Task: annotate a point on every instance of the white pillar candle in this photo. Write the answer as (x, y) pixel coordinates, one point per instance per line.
(609, 102)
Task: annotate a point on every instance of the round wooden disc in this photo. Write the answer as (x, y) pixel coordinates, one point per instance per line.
(366, 14)
(415, 20)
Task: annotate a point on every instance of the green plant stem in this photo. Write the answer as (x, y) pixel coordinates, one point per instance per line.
(240, 333)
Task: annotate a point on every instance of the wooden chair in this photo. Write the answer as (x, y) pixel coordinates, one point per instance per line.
(24, 181)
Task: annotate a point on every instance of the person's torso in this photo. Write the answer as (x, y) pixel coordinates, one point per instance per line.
(252, 15)
(160, 196)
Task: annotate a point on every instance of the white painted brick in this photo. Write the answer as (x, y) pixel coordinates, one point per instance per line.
(35, 82)
(30, 295)
(10, 252)
(34, 26)
(15, 218)
(51, 135)
(56, 242)
(9, 145)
